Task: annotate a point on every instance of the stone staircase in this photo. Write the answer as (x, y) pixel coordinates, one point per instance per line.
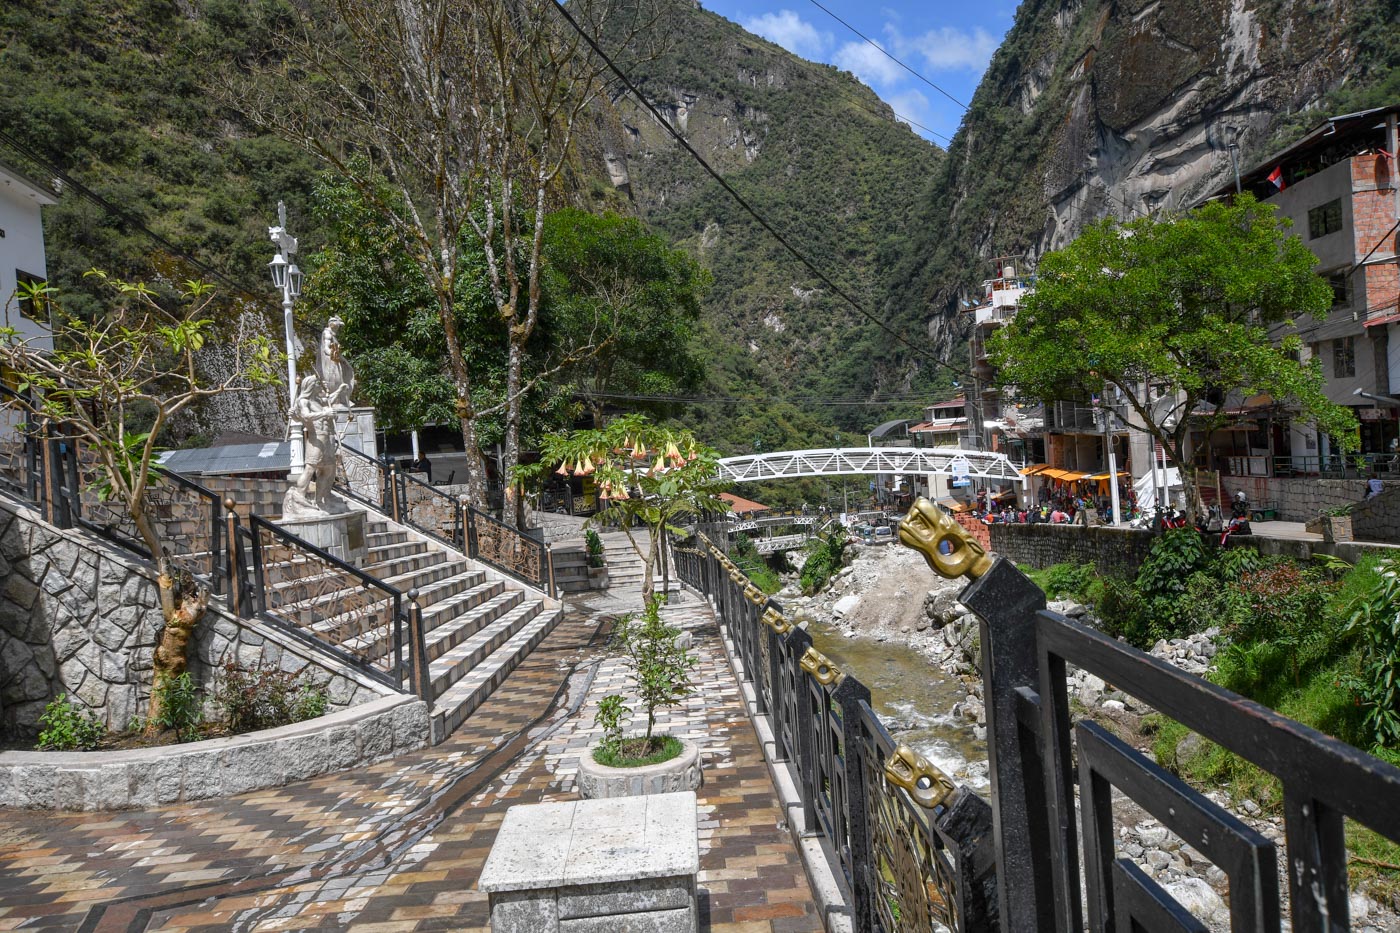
(625, 568)
(478, 624)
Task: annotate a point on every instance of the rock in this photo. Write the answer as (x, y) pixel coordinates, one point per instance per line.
(1157, 858)
(845, 604)
(1249, 807)
(1191, 746)
(1114, 706)
(1196, 896)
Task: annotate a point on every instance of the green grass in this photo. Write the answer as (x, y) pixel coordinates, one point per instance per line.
(634, 753)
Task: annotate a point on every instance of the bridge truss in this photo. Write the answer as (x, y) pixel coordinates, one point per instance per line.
(868, 461)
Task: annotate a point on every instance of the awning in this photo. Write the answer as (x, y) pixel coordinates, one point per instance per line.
(953, 505)
(1067, 476)
(1035, 468)
(1100, 477)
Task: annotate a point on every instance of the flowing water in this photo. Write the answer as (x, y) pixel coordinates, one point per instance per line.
(914, 699)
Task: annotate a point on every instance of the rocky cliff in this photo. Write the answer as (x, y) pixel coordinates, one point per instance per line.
(1126, 108)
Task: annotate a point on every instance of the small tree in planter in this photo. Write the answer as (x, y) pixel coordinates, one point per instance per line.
(661, 669)
(594, 546)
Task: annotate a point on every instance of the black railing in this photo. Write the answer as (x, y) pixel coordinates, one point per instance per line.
(323, 598)
(267, 570)
(446, 518)
(912, 849)
(1045, 765)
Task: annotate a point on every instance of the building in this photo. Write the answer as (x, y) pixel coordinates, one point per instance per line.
(22, 260)
(1337, 186)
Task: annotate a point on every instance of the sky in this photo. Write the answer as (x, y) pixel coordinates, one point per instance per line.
(949, 44)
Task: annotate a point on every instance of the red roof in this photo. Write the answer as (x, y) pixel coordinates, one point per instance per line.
(740, 504)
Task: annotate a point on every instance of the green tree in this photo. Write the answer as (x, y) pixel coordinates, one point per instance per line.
(1199, 305)
(612, 283)
(116, 383)
(649, 475)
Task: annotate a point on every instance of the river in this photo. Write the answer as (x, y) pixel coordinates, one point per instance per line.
(914, 699)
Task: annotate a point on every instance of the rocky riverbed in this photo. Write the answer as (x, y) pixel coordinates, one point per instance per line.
(887, 618)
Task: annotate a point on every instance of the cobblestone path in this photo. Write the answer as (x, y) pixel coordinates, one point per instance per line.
(398, 845)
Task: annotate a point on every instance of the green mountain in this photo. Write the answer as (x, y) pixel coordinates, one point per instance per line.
(825, 162)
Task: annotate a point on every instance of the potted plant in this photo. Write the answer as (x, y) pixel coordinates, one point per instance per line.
(597, 562)
(621, 765)
(1333, 524)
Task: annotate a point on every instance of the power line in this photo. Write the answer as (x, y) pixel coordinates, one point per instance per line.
(739, 199)
(885, 53)
(839, 402)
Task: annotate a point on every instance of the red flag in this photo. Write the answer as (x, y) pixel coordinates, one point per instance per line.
(1276, 177)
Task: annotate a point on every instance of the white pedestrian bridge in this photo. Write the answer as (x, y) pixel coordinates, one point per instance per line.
(869, 461)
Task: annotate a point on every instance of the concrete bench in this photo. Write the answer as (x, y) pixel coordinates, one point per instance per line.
(620, 863)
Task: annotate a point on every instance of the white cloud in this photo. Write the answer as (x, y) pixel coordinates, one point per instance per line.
(948, 48)
(868, 63)
(910, 105)
(790, 31)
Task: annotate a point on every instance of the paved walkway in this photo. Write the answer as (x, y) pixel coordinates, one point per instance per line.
(399, 845)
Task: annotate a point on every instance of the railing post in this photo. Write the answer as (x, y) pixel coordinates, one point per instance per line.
(549, 558)
(849, 694)
(236, 596)
(47, 502)
(421, 677)
(394, 492)
(1005, 602)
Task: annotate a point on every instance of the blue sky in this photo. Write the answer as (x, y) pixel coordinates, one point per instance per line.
(947, 43)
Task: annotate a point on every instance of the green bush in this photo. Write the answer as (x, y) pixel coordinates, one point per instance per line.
(181, 707)
(264, 698)
(660, 668)
(69, 727)
(1376, 681)
(823, 560)
(746, 556)
(1072, 580)
(593, 544)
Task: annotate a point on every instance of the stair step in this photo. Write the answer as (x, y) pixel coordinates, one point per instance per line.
(460, 700)
(468, 622)
(453, 665)
(444, 611)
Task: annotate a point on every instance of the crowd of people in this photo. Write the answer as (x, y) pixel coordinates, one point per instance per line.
(1055, 508)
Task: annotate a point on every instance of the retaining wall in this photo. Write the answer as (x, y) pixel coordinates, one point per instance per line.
(80, 617)
(149, 777)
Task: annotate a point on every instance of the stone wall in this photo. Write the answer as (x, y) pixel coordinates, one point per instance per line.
(259, 495)
(80, 617)
(1114, 551)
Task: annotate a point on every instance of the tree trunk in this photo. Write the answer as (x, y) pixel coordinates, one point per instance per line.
(182, 610)
(476, 467)
(665, 563)
(512, 511)
(649, 580)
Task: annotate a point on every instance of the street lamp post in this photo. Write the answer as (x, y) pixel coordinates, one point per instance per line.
(287, 277)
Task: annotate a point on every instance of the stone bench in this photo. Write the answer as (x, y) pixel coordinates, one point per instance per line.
(622, 863)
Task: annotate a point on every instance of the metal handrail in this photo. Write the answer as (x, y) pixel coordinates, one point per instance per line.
(536, 570)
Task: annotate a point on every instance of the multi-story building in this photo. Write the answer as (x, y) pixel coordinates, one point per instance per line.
(1338, 187)
(22, 260)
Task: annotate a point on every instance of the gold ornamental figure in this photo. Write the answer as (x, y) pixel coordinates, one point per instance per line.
(927, 527)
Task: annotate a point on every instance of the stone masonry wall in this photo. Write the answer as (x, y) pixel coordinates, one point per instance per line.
(257, 494)
(1114, 551)
(80, 617)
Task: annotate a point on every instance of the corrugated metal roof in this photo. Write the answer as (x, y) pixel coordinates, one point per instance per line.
(271, 457)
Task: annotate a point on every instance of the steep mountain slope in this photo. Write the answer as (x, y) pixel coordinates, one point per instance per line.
(821, 157)
(1093, 107)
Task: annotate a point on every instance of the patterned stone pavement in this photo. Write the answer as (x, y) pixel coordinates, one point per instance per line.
(398, 845)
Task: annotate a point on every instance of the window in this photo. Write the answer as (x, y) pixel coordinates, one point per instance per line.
(26, 307)
(1341, 288)
(1325, 219)
(1343, 357)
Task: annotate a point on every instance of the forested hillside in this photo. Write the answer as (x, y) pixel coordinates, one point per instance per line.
(824, 160)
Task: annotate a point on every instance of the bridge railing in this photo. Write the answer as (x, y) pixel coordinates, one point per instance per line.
(912, 849)
(1060, 781)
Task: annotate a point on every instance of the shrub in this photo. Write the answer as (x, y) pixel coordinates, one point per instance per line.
(822, 563)
(594, 547)
(181, 707)
(612, 713)
(69, 727)
(746, 556)
(1377, 681)
(1072, 580)
(264, 698)
(659, 666)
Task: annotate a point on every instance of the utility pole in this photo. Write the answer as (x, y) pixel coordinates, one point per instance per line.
(1112, 455)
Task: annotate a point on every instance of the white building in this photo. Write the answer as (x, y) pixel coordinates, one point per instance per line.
(21, 260)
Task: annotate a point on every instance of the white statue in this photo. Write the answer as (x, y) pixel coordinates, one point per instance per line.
(337, 375)
(312, 494)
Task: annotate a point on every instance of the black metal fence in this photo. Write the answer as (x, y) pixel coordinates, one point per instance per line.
(447, 518)
(922, 856)
(913, 849)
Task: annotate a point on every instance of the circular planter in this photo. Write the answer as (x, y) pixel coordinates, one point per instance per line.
(679, 774)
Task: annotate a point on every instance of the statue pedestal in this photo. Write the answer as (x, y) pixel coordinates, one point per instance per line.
(355, 428)
(341, 536)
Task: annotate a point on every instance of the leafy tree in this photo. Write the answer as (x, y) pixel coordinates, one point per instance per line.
(648, 474)
(456, 123)
(1189, 304)
(611, 282)
(116, 383)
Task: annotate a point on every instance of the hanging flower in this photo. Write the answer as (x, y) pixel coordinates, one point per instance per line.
(563, 468)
